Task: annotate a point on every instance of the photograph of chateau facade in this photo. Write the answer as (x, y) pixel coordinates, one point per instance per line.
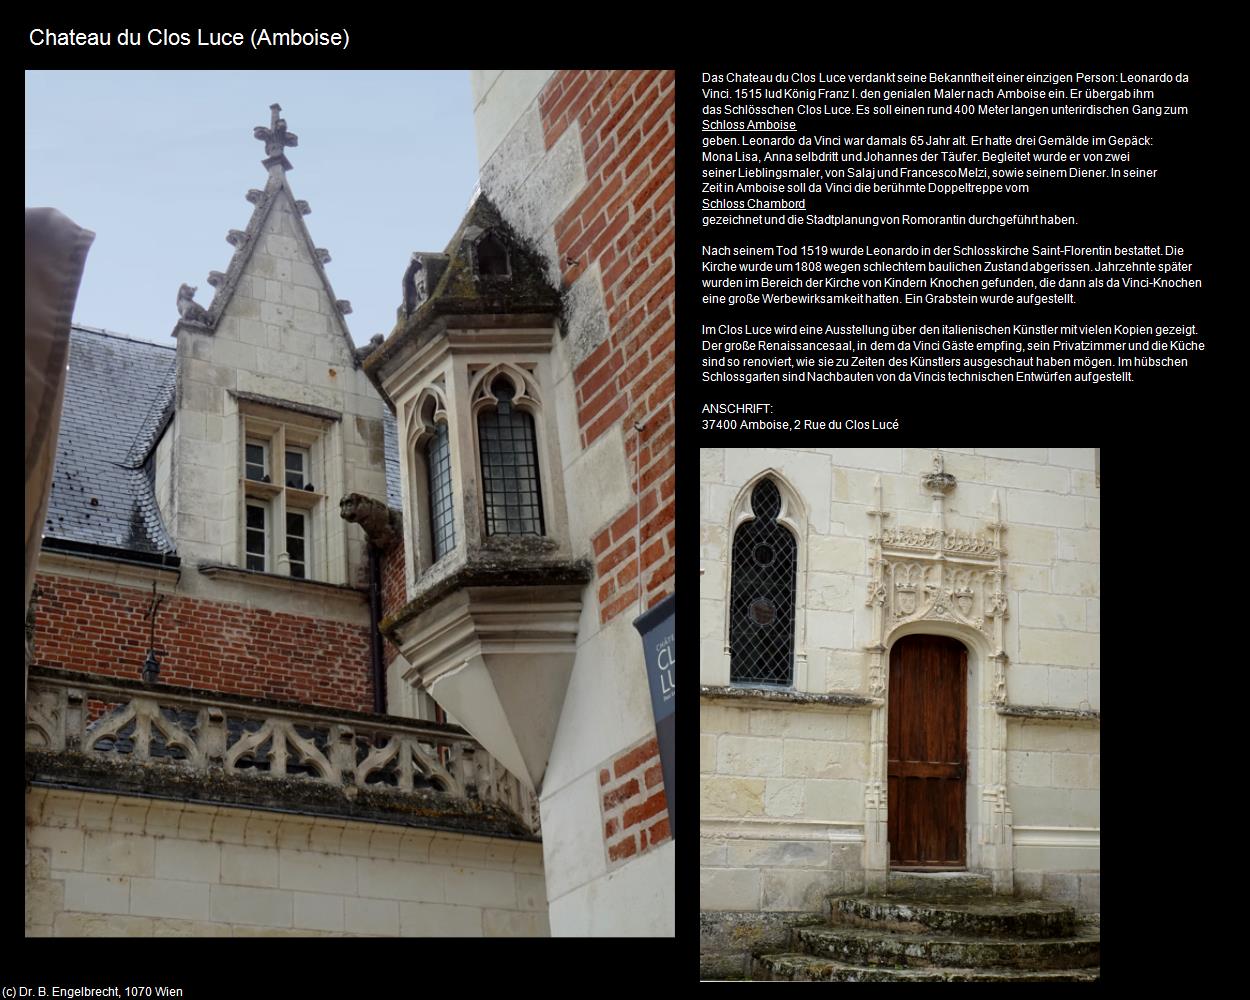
(899, 670)
(331, 638)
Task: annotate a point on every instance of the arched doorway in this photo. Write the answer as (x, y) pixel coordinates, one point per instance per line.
(927, 757)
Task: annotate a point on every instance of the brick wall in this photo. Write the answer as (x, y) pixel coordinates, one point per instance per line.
(632, 803)
(394, 591)
(622, 220)
(103, 628)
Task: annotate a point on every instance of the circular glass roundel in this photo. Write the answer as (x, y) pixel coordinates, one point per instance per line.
(763, 611)
(764, 554)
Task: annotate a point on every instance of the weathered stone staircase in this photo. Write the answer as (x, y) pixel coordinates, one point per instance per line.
(938, 928)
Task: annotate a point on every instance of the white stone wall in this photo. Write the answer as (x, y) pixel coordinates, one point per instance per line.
(781, 805)
(1050, 505)
(607, 707)
(109, 865)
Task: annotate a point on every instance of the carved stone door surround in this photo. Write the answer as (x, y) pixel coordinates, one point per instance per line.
(927, 579)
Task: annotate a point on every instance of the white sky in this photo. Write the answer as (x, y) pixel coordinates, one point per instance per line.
(157, 163)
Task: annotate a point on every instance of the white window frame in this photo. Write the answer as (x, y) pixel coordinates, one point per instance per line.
(277, 437)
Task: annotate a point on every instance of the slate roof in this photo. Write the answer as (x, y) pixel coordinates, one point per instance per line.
(100, 494)
(119, 397)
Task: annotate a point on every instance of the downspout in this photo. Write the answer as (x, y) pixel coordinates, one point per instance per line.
(375, 634)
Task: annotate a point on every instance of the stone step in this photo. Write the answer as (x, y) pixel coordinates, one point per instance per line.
(808, 969)
(999, 917)
(928, 885)
(875, 947)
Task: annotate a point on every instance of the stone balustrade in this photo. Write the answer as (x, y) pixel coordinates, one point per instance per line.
(425, 769)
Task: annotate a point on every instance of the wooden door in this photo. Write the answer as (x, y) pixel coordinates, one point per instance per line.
(927, 752)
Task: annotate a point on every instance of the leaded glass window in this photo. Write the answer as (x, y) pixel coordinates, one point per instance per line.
(509, 466)
(761, 602)
(442, 513)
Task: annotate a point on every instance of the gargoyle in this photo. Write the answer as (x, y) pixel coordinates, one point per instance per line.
(382, 525)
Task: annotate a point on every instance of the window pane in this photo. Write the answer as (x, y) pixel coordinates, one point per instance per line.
(255, 517)
(761, 603)
(442, 513)
(256, 563)
(296, 536)
(255, 457)
(510, 483)
(295, 469)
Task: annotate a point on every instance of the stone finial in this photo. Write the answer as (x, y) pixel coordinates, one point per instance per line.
(939, 480)
(255, 196)
(323, 254)
(345, 306)
(216, 278)
(236, 238)
(190, 310)
(275, 138)
(303, 207)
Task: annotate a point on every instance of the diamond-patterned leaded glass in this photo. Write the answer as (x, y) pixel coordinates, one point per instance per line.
(442, 519)
(509, 467)
(761, 602)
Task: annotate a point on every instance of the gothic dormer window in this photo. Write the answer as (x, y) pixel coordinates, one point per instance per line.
(490, 257)
(761, 612)
(509, 454)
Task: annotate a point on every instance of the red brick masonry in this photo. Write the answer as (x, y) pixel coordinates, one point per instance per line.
(632, 803)
(623, 221)
(102, 628)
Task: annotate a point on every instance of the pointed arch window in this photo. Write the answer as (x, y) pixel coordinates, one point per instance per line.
(508, 447)
(762, 596)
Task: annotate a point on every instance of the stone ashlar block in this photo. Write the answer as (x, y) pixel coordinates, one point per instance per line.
(798, 890)
(249, 865)
(371, 916)
(730, 797)
(729, 889)
(309, 871)
(318, 911)
(1045, 508)
(1029, 767)
(188, 860)
(821, 759)
(723, 719)
(88, 892)
(117, 853)
(778, 854)
(245, 905)
(1071, 770)
(1058, 646)
(1051, 611)
(384, 879)
(64, 846)
(158, 897)
(477, 887)
(748, 755)
(438, 920)
(834, 800)
(510, 923)
(783, 797)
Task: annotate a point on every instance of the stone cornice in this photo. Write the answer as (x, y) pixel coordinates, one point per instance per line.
(1045, 713)
(778, 698)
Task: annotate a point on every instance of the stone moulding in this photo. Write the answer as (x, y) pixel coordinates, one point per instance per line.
(778, 698)
(1044, 713)
(184, 743)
